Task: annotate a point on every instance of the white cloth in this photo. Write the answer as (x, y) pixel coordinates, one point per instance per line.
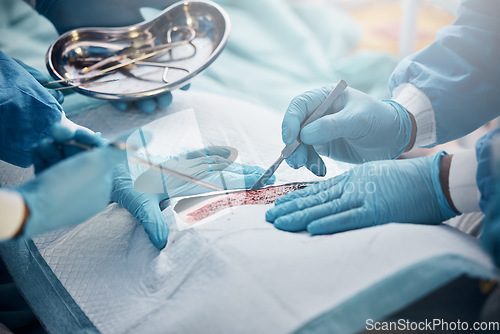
(239, 274)
(419, 105)
(462, 181)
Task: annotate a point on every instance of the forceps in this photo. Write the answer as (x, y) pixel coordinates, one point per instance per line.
(165, 67)
(144, 53)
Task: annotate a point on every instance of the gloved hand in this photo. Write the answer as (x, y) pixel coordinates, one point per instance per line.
(42, 79)
(206, 164)
(71, 14)
(490, 236)
(71, 191)
(54, 148)
(356, 128)
(375, 193)
(27, 111)
(148, 105)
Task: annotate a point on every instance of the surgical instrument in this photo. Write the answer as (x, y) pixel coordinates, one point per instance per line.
(289, 149)
(134, 158)
(143, 54)
(165, 67)
(86, 84)
(84, 47)
(86, 77)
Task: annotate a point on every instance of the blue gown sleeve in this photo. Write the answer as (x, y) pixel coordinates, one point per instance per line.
(27, 110)
(459, 72)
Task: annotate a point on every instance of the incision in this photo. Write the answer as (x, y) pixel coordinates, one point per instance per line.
(250, 197)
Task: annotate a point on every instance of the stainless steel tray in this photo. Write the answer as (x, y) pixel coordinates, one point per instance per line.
(162, 54)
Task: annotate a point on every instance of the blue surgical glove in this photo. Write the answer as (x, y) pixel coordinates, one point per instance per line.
(148, 105)
(71, 191)
(27, 111)
(490, 236)
(375, 193)
(206, 164)
(490, 200)
(356, 128)
(71, 14)
(42, 79)
(55, 147)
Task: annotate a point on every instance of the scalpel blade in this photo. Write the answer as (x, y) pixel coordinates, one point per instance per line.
(267, 174)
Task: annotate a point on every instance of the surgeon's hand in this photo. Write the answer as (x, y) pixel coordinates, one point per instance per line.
(490, 234)
(375, 193)
(42, 79)
(356, 128)
(210, 165)
(71, 14)
(71, 191)
(148, 105)
(490, 238)
(61, 144)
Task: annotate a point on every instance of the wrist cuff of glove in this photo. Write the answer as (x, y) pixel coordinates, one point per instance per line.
(446, 211)
(464, 191)
(419, 105)
(405, 125)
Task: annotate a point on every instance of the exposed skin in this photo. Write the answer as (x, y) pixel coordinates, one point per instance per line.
(444, 176)
(413, 133)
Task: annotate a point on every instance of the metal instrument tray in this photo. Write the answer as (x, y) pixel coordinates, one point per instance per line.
(141, 60)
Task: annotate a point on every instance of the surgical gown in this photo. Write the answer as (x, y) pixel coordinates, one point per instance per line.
(459, 72)
(27, 110)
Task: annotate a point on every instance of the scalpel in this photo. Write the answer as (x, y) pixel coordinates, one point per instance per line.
(289, 149)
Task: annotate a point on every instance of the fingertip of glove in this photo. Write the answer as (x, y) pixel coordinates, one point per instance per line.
(318, 169)
(155, 226)
(269, 216)
(60, 133)
(186, 87)
(292, 161)
(147, 105)
(159, 243)
(286, 135)
(164, 100)
(312, 229)
(308, 132)
(120, 105)
(284, 224)
(220, 151)
(58, 96)
(271, 180)
(315, 228)
(250, 179)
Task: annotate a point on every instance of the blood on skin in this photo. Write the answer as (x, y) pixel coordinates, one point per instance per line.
(262, 196)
